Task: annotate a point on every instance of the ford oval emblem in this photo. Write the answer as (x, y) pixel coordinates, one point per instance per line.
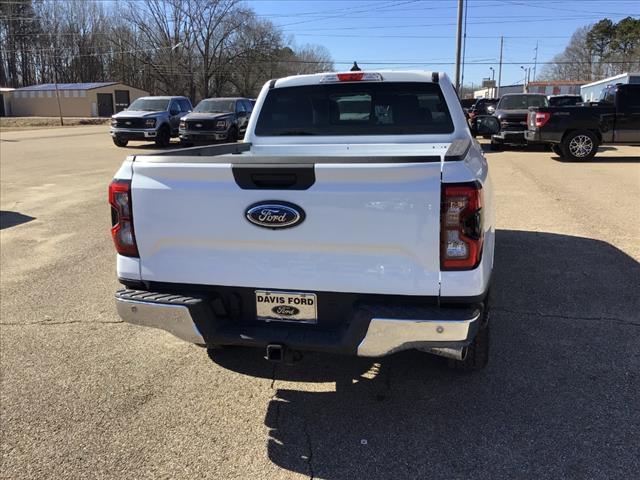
(285, 310)
(275, 214)
(198, 125)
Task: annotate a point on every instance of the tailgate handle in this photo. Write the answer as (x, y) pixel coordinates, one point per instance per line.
(269, 180)
(274, 176)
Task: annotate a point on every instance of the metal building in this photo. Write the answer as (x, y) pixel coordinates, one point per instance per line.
(555, 87)
(591, 91)
(75, 99)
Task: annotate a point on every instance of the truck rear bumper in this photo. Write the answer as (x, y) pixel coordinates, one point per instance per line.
(372, 330)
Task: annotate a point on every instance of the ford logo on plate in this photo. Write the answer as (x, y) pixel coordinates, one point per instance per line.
(285, 310)
(275, 214)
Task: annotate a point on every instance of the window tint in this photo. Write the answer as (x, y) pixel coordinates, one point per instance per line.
(174, 106)
(522, 102)
(215, 105)
(240, 106)
(248, 105)
(630, 97)
(355, 109)
(606, 96)
(185, 106)
(149, 104)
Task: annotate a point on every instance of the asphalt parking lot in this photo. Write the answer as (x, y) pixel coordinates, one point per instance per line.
(84, 395)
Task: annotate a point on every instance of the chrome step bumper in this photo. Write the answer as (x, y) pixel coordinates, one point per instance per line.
(373, 330)
(166, 312)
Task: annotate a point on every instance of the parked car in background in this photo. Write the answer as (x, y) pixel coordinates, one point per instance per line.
(575, 133)
(512, 112)
(215, 120)
(564, 100)
(357, 217)
(149, 118)
(483, 106)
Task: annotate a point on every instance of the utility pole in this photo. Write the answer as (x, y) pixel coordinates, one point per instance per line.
(459, 43)
(535, 62)
(464, 43)
(500, 67)
(55, 82)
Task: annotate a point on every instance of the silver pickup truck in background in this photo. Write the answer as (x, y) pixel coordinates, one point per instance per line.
(153, 119)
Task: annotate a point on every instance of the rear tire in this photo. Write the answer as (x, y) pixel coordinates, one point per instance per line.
(120, 142)
(163, 137)
(555, 148)
(477, 352)
(579, 146)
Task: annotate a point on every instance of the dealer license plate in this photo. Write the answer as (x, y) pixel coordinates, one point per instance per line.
(286, 306)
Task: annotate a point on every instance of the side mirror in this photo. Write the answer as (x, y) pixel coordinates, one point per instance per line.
(242, 114)
(487, 125)
(491, 109)
(174, 111)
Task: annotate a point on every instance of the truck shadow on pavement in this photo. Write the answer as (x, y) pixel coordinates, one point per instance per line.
(558, 399)
(11, 219)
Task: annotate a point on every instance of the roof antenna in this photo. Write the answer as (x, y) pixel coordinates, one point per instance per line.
(355, 67)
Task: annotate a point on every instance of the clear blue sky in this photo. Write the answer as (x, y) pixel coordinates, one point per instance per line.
(421, 33)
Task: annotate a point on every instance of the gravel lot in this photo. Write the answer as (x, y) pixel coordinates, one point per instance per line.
(86, 396)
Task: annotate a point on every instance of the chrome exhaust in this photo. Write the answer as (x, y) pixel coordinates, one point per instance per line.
(453, 353)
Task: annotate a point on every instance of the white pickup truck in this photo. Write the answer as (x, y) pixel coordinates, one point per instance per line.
(355, 218)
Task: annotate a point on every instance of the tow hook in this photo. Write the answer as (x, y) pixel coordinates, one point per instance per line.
(279, 353)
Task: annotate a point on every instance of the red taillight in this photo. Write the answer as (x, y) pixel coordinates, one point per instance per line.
(542, 118)
(461, 227)
(122, 218)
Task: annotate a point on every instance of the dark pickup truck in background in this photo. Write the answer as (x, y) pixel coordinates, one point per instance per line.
(215, 120)
(575, 132)
(512, 111)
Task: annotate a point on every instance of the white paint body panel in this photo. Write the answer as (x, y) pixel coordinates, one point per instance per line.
(369, 228)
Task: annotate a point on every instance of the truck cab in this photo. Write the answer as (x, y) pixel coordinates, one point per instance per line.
(355, 218)
(153, 119)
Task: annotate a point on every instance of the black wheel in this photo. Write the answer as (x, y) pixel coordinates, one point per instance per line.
(579, 146)
(163, 137)
(497, 146)
(232, 136)
(477, 355)
(555, 148)
(120, 142)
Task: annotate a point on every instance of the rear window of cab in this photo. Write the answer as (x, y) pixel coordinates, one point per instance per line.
(355, 108)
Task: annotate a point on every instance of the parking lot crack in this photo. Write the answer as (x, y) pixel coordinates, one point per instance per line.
(567, 317)
(274, 398)
(309, 450)
(49, 322)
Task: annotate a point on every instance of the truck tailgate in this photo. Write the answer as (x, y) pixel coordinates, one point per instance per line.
(369, 228)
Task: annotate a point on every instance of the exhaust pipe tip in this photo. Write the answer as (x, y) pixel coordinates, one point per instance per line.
(453, 353)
